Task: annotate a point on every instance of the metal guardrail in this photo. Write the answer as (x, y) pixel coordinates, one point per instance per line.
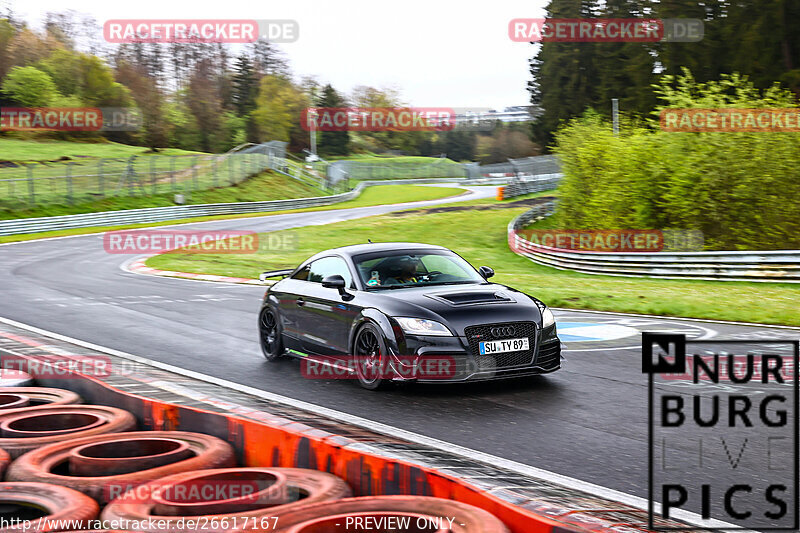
(542, 164)
(531, 184)
(162, 214)
(780, 266)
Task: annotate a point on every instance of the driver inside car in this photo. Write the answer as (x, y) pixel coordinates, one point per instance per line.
(407, 267)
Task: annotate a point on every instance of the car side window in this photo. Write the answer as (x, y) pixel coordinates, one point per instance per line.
(328, 266)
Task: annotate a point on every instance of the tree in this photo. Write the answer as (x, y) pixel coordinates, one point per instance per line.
(26, 48)
(150, 102)
(333, 142)
(278, 108)
(30, 87)
(268, 59)
(563, 76)
(205, 105)
(7, 32)
(245, 86)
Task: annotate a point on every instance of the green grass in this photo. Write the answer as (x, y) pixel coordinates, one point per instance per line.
(377, 195)
(480, 237)
(19, 150)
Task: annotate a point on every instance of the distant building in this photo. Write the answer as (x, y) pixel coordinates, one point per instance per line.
(517, 113)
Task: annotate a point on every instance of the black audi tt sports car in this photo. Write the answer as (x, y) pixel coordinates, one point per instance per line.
(384, 312)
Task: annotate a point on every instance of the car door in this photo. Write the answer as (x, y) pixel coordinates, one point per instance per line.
(292, 291)
(324, 315)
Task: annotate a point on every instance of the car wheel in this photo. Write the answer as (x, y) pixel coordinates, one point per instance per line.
(371, 357)
(270, 337)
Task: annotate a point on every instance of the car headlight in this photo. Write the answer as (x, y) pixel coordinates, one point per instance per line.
(547, 318)
(421, 326)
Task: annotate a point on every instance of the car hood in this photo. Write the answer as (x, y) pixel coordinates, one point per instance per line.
(459, 306)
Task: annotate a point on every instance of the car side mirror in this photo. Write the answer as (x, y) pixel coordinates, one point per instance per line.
(334, 281)
(486, 272)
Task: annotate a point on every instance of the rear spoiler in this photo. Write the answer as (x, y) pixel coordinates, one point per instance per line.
(274, 274)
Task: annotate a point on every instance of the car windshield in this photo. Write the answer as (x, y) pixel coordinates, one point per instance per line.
(413, 268)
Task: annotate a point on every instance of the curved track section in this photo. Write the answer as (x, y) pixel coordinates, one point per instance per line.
(587, 421)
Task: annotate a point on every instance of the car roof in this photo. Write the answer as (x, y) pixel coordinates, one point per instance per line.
(356, 249)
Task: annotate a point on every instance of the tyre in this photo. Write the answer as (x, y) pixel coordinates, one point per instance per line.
(298, 487)
(32, 501)
(370, 352)
(15, 397)
(28, 428)
(269, 334)
(121, 460)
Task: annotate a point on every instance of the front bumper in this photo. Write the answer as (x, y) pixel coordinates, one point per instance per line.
(452, 360)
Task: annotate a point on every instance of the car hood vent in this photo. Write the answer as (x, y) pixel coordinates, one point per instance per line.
(469, 298)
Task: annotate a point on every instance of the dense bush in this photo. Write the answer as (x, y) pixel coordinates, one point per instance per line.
(740, 189)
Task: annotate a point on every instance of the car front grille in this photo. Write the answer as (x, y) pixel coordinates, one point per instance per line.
(483, 332)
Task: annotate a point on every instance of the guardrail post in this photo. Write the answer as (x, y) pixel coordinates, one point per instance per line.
(31, 186)
(70, 198)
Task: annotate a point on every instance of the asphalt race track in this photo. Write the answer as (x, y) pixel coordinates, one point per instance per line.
(587, 421)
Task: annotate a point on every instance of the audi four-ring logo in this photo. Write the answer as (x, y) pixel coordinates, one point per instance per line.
(502, 331)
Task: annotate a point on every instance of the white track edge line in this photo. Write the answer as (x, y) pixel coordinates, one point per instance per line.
(553, 477)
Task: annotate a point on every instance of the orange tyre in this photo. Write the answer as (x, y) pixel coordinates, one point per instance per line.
(121, 461)
(45, 505)
(179, 498)
(25, 429)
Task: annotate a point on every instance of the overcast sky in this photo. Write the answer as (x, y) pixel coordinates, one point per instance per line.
(436, 52)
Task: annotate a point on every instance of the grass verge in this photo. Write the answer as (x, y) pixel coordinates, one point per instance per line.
(22, 151)
(479, 235)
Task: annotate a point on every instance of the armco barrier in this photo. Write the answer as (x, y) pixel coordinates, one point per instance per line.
(177, 212)
(781, 266)
(530, 184)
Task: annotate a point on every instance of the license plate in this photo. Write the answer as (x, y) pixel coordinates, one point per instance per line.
(505, 345)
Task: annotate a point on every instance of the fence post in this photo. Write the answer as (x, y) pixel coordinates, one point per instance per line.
(70, 198)
(172, 171)
(100, 180)
(31, 186)
(153, 174)
(194, 173)
(214, 173)
(129, 174)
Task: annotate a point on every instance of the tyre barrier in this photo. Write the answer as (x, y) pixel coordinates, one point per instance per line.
(15, 378)
(394, 513)
(106, 466)
(173, 500)
(261, 444)
(4, 460)
(35, 501)
(16, 397)
(25, 429)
